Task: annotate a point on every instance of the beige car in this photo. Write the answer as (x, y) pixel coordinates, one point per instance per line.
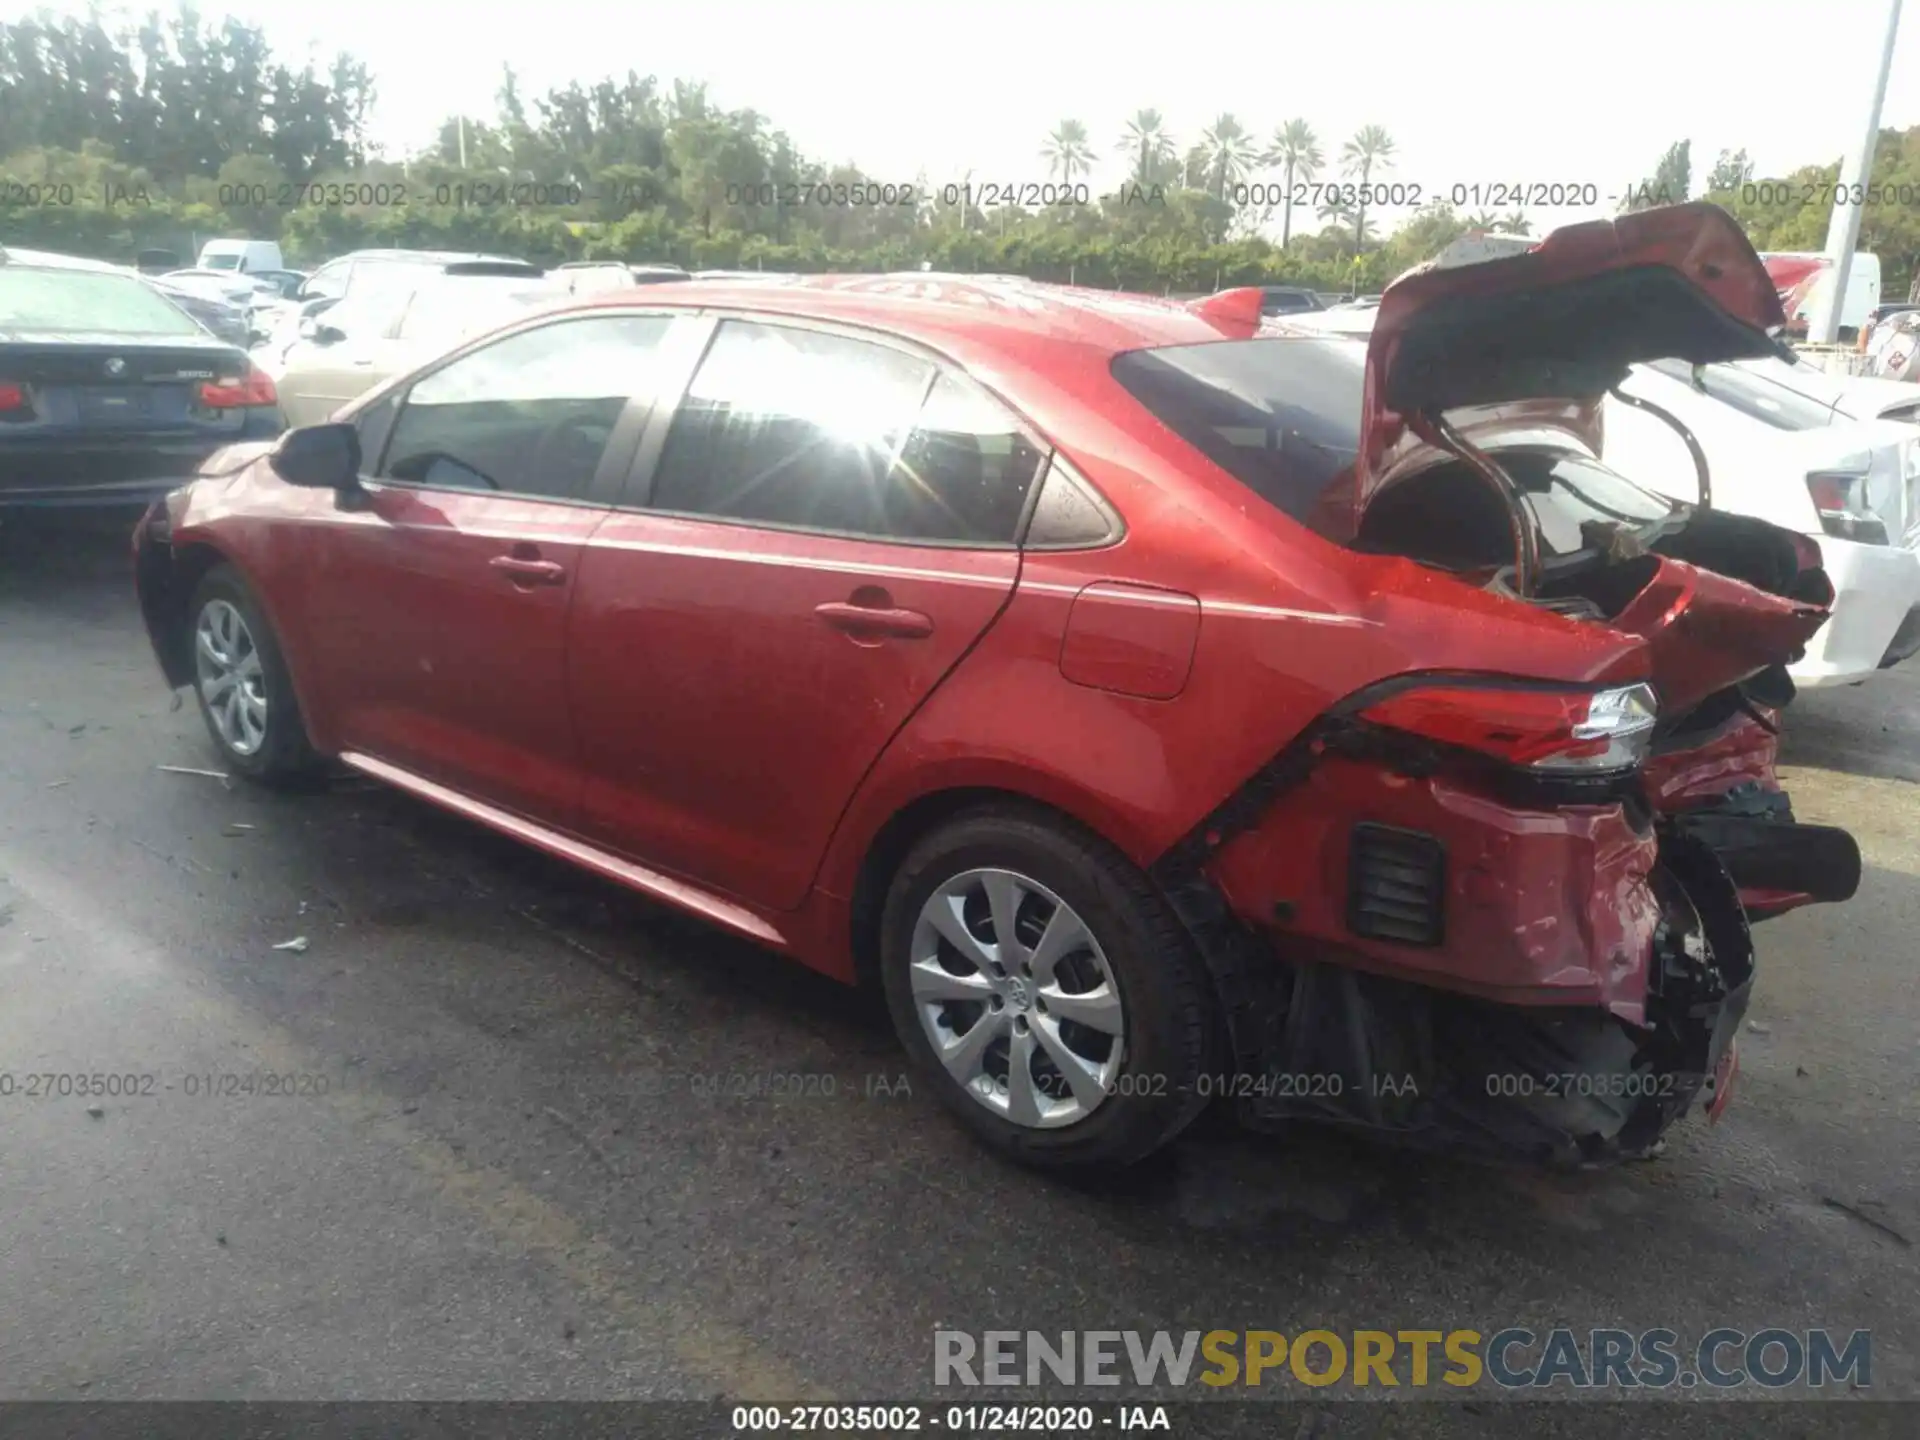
(387, 329)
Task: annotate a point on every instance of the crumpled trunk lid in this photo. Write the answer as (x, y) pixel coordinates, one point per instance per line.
(1706, 631)
(1562, 322)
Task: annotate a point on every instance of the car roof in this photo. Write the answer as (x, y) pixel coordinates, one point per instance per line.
(938, 310)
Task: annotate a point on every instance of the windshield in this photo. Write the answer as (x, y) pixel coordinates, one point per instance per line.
(85, 300)
(1282, 415)
(1751, 393)
(220, 262)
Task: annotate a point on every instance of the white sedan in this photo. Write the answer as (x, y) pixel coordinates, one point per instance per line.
(1785, 456)
(1786, 443)
(384, 330)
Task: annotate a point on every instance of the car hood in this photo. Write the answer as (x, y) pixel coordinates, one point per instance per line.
(1562, 322)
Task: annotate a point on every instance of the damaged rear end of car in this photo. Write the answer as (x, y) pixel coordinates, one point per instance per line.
(1498, 904)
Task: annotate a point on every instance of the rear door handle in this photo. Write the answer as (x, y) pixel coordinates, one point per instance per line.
(523, 571)
(868, 621)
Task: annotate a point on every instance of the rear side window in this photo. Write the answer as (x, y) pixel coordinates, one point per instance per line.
(794, 428)
(530, 414)
(75, 300)
(1281, 415)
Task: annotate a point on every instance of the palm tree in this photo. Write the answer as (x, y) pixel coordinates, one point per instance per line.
(1067, 152)
(1334, 210)
(1515, 223)
(1149, 143)
(1484, 223)
(1296, 150)
(1371, 148)
(1230, 153)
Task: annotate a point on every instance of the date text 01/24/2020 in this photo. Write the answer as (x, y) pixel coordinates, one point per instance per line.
(954, 1419)
(146, 1084)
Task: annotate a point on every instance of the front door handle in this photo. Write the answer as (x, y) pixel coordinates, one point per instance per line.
(524, 571)
(865, 622)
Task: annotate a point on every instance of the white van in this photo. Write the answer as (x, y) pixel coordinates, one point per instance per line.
(246, 256)
(1863, 288)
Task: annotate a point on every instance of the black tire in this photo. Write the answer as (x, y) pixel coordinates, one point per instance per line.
(1171, 1022)
(285, 758)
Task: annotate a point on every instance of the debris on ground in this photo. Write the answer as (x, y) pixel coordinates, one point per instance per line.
(77, 729)
(94, 1112)
(235, 827)
(58, 784)
(298, 944)
(179, 699)
(1757, 1028)
(190, 770)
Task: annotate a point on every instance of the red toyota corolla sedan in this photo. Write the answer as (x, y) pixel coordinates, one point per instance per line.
(1157, 704)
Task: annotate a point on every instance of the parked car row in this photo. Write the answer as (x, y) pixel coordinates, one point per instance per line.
(1140, 694)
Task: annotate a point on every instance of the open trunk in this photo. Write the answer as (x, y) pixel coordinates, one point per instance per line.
(1511, 962)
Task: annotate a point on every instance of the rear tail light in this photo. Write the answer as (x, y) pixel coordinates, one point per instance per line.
(1552, 732)
(13, 395)
(1841, 496)
(253, 388)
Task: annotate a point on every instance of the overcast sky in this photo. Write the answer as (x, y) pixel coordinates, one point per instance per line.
(1514, 91)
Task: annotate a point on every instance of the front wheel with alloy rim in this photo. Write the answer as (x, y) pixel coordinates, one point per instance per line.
(241, 682)
(1046, 990)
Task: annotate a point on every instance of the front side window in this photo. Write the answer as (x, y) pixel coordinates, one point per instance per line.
(329, 282)
(530, 414)
(442, 312)
(794, 428)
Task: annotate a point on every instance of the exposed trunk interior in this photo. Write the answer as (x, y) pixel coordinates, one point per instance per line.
(1751, 593)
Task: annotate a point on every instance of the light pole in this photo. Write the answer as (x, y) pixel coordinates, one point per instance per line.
(1843, 228)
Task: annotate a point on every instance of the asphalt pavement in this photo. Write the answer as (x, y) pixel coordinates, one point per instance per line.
(491, 1178)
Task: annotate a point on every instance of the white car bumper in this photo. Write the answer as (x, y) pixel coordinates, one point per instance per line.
(1875, 586)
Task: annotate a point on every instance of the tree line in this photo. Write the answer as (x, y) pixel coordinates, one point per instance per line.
(114, 139)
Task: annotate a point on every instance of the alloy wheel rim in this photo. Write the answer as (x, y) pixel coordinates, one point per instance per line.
(1017, 998)
(233, 683)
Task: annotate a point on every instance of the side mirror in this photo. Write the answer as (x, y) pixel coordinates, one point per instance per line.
(319, 457)
(313, 328)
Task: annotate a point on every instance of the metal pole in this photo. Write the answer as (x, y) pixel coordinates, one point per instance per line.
(463, 130)
(1843, 228)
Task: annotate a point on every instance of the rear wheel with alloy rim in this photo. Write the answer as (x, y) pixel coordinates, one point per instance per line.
(1050, 995)
(242, 685)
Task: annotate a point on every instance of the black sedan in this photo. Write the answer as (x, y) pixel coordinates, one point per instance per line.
(109, 394)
